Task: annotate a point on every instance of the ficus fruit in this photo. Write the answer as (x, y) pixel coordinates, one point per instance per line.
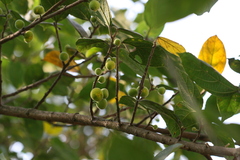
(101, 79)
(94, 5)
(110, 65)
(117, 42)
(63, 56)
(93, 19)
(145, 92)
(28, 36)
(102, 104)
(19, 24)
(39, 10)
(96, 94)
(105, 92)
(98, 71)
(133, 92)
(161, 90)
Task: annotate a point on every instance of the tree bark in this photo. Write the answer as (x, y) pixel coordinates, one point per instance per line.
(77, 119)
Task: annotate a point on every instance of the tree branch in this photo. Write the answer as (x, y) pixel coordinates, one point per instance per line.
(78, 119)
(39, 20)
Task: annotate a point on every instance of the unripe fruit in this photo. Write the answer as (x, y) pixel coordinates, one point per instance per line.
(39, 10)
(114, 59)
(19, 24)
(133, 92)
(110, 65)
(102, 104)
(9, 16)
(93, 19)
(161, 90)
(117, 42)
(98, 71)
(63, 56)
(105, 92)
(155, 127)
(195, 129)
(101, 79)
(96, 94)
(94, 5)
(145, 92)
(28, 36)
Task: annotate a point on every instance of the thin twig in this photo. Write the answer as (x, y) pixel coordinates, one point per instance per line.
(58, 38)
(37, 21)
(2, 36)
(96, 79)
(48, 78)
(142, 81)
(117, 85)
(115, 114)
(55, 82)
(52, 8)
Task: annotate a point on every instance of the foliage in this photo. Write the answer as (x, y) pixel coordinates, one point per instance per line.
(32, 76)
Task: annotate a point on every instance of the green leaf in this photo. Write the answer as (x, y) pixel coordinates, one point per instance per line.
(172, 121)
(33, 73)
(81, 11)
(229, 106)
(6, 1)
(130, 33)
(2, 157)
(63, 149)
(136, 67)
(16, 71)
(186, 115)
(47, 4)
(120, 148)
(187, 89)
(233, 130)
(78, 28)
(85, 44)
(222, 136)
(34, 128)
(142, 51)
(103, 14)
(61, 88)
(167, 151)
(158, 12)
(193, 155)
(171, 65)
(211, 110)
(20, 6)
(206, 77)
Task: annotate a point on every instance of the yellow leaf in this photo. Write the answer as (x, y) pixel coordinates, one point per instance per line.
(213, 53)
(113, 100)
(170, 46)
(53, 57)
(51, 130)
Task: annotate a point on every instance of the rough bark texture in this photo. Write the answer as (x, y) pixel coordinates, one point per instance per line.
(77, 119)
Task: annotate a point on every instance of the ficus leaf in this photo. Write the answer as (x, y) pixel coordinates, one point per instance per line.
(228, 106)
(234, 64)
(167, 151)
(103, 14)
(170, 46)
(53, 57)
(207, 77)
(172, 121)
(213, 53)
